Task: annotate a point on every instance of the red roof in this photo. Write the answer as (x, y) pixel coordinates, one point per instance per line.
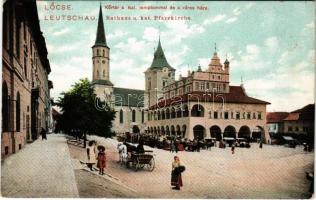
(236, 95)
(292, 117)
(274, 117)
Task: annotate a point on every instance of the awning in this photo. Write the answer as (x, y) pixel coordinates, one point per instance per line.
(229, 138)
(289, 138)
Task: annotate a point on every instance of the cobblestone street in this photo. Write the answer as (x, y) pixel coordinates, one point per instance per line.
(41, 169)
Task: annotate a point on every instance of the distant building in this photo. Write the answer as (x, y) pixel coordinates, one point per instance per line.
(25, 68)
(275, 122)
(301, 121)
(201, 105)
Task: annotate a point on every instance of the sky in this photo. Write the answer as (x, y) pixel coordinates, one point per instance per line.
(269, 44)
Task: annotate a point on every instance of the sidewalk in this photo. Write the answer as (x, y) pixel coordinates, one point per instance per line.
(41, 169)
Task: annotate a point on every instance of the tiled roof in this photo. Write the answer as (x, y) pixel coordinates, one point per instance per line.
(160, 60)
(307, 113)
(128, 97)
(236, 95)
(274, 117)
(292, 117)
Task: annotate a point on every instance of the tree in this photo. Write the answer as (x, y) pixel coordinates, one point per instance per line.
(80, 114)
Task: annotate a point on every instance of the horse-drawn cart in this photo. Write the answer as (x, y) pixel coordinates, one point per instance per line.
(138, 161)
(142, 161)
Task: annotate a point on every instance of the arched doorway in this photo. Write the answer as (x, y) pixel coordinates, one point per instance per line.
(162, 130)
(178, 131)
(198, 132)
(167, 113)
(167, 130)
(173, 113)
(184, 129)
(258, 133)
(230, 131)
(216, 132)
(179, 112)
(197, 111)
(185, 112)
(244, 132)
(173, 131)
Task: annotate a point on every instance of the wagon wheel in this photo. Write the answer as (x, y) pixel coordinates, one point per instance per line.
(151, 164)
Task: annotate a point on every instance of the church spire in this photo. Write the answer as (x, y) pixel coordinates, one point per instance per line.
(100, 39)
(160, 60)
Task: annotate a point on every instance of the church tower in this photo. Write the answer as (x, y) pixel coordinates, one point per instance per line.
(101, 63)
(157, 76)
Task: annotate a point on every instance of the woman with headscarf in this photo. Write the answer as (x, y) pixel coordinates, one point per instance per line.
(176, 179)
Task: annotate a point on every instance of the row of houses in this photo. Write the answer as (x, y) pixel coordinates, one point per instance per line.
(299, 122)
(26, 101)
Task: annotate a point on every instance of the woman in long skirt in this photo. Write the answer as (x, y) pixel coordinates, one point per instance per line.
(91, 156)
(176, 179)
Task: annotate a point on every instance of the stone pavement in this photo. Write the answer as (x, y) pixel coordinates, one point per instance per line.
(41, 169)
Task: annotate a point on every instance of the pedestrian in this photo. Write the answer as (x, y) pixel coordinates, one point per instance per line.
(91, 156)
(43, 133)
(177, 169)
(260, 145)
(101, 159)
(140, 147)
(233, 148)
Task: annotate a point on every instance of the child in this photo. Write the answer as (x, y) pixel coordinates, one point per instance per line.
(101, 160)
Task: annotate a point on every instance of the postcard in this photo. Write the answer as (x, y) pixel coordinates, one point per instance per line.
(158, 99)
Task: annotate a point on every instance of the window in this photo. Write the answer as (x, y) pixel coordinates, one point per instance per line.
(237, 115)
(219, 77)
(103, 61)
(296, 128)
(224, 87)
(226, 115)
(215, 115)
(133, 116)
(143, 116)
(121, 117)
(25, 69)
(164, 83)
(149, 83)
(103, 73)
(253, 115)
(259, 115)
(248, 115)
(103, 53)
(17, 33)
(5, 107)
(202, 86)
(213, 86)
(98, 74)
(290, 128)
(188, 88)
(218, 87)
(18, 112)
(210, 113)
(207, 85)
(221, 115)
(244, 115)
(197, 85)
(98, 52)
(232, 115)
